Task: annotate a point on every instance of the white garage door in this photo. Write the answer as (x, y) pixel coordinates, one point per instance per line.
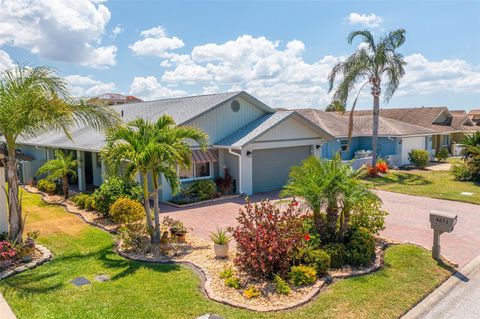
(409, 144)
(271, 166)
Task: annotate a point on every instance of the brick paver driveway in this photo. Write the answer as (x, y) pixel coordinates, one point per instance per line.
(408, 221)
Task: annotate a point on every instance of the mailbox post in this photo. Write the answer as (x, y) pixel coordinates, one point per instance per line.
(440, 223)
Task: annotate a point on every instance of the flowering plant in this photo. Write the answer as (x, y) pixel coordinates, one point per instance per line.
(6, 251)
(382, 166)
(267, 238)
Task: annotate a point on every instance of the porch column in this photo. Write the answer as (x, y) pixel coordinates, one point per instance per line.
(103, 169)
(246, 163)
(3, 199)
(82, 186)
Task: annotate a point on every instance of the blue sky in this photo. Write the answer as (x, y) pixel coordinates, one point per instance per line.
(279, 51)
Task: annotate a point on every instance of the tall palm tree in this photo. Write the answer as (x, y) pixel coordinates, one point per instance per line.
(372, 63)
(34, 100)
(335, 106)
(61, 167)
(158, 148)
(471, 154)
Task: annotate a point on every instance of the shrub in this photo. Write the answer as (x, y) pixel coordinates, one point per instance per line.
(232, 282)
(251, 292)
(90, 203)
(316, 258)
(113, 189)
(126, 211)
(79, 200)
(461, 172)
(442, 154)
(204, 189)
(337, 253)
(368, 214)
(382, 166)
(134, 235)
(267, 238)
(227, 272)
(47, 186)
(372, 171)
(225, 183)
(281, 286)
(419, 158)
(302, 275)
(360, 247)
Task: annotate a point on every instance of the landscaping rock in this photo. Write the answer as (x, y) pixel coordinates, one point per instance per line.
(80, 281)
(102, 278)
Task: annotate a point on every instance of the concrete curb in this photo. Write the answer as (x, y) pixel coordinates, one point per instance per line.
(422, 308)
(5, 310)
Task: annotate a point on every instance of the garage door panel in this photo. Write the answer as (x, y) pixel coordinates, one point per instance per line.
(409, 144)
(271, 166)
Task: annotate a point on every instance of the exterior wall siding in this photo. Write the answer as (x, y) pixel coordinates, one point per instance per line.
(288, 130)
(222, 121)
(29, 168)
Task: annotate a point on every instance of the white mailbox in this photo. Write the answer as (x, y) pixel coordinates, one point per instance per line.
(440, 223)
(443, 222)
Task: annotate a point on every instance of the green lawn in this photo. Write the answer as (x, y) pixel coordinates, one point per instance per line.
(435, 184)
(139, 290)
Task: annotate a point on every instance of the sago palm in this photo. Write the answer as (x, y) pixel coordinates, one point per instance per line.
(61, 167)
(34, 100)
(471, 154)
(152, 147)
(331, 186)
(375, 63)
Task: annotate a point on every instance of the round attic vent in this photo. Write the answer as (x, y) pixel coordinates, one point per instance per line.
(235, 105)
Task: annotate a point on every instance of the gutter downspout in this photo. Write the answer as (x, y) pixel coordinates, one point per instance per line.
(239, 168)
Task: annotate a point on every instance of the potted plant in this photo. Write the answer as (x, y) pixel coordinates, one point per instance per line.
(177, 228)
(220, 240)
(6, 254)
(31, 237)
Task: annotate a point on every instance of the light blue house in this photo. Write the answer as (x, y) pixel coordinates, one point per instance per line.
(256, 143)
(396, 138)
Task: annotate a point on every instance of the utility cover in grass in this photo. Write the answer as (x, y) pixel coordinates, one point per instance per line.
(210, 316)
(80, 281)
(466, 193)
(101, 278)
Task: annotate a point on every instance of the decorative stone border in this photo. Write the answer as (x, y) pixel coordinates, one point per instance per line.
(69, 208)
(320, 284)
(46, 256)
(208, 201)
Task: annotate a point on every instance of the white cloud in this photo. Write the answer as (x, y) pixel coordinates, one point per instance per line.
(368, 20)
(116, 31)
(61, 30)
(148, 88)
(156, 43)
(86, 86)
(423, 77)
(5, 61)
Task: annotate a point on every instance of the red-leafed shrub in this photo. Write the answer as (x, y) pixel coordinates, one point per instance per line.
(267, 238)
(382, 166)
(372, 171)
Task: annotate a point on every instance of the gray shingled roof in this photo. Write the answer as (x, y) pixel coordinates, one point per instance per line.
(254, 129)
(337, 124)
(182, 110)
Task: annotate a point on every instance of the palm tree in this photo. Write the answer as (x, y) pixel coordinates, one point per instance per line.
(332, 186)
(335, 106)
(34, 100)
(471, 154)
(371, 64)
(61, 167)
(158, 148)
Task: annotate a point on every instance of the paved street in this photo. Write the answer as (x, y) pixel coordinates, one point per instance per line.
(408, 221)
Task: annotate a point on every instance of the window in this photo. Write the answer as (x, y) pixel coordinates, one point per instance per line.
(202, 170)
(196, 171)
(186, 173)
(343, 145)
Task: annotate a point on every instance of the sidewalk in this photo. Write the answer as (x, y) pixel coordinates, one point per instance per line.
(5, 311)
(457, 298)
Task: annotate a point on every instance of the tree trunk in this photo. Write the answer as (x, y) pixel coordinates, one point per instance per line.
(332, 219)
(65, 186)
(156, 210)
(14, 207)
(146, 200)
(376, 113)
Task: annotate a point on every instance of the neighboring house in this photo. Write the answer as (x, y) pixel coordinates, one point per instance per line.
(395, 138)
(474, 115)
(256, 143)
(115, 99)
